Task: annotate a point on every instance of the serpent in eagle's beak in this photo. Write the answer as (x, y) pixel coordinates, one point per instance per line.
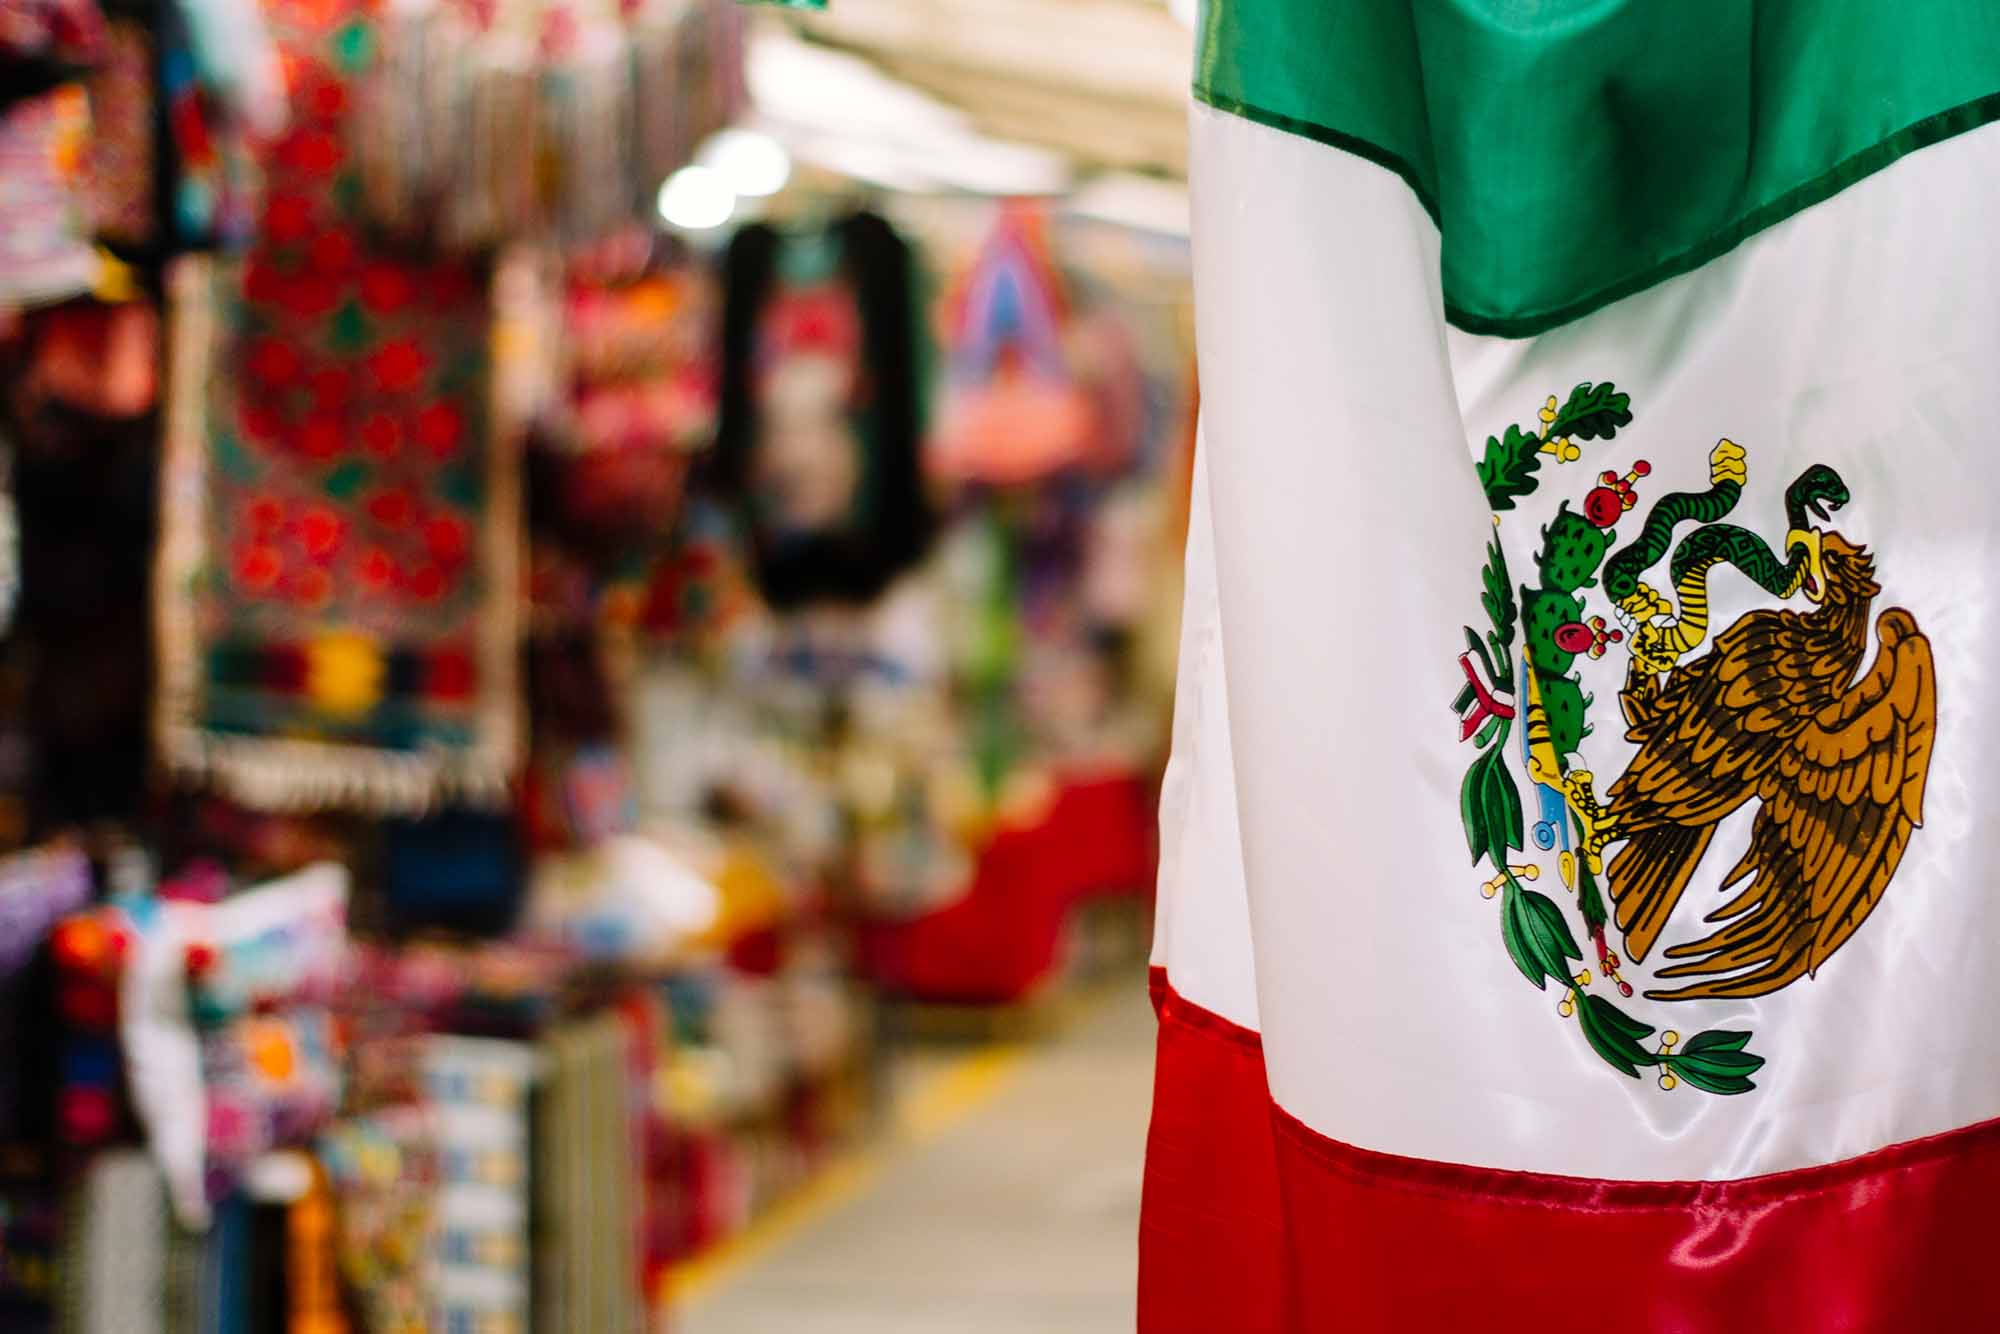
(1817, 492)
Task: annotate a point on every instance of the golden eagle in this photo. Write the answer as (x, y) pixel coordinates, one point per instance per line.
(1774, 712)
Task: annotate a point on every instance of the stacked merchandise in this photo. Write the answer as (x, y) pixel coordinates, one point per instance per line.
(221, 1008)
(587, 1243)
(479, 1092)
(280, 324)
(476, 687)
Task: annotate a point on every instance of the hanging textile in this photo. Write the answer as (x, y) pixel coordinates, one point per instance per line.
(1013, 408)
(821, 414)
(1577, 885)
(608, 478)
(340, 517)
(481, 124)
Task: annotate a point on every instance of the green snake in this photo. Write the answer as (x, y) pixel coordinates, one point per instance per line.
(1817, 490)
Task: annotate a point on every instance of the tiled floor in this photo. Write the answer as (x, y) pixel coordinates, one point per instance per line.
(1017, 1216)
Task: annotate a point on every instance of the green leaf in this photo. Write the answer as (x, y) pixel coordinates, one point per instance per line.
(1464, 700)
(1553, 929)
(1716, 1062)
(1593, 411)
(1715, 1039)
(1494, 594)
(1471, 809)
(1485, 734)
(1498, 597)
(1708, 1083)
(1518, 938)
(1506, 659)
(1614, 1035)
(1507, 469)
(1516, 826)
(1503, 807)
(1537, 938)
(1623, 1022)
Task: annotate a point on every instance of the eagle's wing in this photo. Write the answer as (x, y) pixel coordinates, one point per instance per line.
(1837, 811)
(1707, 739)
(1720, 723)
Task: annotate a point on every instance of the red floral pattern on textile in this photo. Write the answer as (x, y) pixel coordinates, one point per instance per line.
(348, 471)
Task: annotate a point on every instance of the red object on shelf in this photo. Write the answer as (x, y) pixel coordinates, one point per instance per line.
(1000, 940)
(1099, 839)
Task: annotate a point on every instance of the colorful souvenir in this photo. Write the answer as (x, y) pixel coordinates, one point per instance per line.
(339, 505)
(1013, 410)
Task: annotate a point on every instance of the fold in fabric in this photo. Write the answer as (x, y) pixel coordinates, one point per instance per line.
(1573, 153)
(1274, 1227)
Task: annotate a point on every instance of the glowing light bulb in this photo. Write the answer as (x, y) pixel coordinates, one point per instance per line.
(752, 163)
(695, 199)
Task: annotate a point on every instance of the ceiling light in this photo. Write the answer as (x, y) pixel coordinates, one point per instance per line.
(696, 198)
(753, 164)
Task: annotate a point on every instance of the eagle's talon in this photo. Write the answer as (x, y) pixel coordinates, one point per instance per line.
(1594, 821)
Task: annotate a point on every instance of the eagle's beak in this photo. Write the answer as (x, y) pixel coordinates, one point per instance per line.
(1812, 578)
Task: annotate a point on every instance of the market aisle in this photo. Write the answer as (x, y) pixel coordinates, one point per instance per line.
(1008, 1204)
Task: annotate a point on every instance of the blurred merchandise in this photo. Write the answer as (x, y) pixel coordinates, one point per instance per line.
(482, 124)
(509, 696)
(822, 409)
(1014, 411)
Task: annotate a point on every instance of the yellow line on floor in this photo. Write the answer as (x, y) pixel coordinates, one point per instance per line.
(941, 1102)
(956, 1091)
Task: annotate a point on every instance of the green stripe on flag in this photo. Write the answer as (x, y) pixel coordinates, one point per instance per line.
(1577, 151)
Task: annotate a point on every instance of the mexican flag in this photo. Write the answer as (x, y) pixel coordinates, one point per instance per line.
(1578, 904)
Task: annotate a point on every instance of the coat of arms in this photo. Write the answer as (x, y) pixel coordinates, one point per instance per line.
(1781, 715)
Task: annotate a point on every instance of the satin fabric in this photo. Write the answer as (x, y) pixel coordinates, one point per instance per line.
(1212, 1245)
(1575, 151)
(1257, 1223)
(1349, 535)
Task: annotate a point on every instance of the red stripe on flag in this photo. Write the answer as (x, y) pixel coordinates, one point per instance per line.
(1211, 1231)
(1259, 1223)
